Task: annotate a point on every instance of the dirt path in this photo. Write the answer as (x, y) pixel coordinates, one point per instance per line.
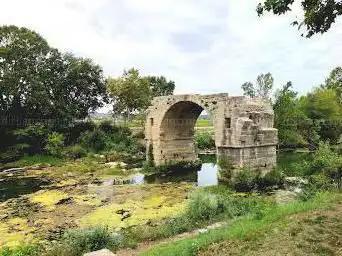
(149, 244)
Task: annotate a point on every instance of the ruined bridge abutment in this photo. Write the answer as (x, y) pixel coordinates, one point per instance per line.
(243, 129)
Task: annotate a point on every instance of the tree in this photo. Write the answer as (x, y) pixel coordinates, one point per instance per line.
(334, 81)
(262, 89)
(37, 81)
(323, 107)
(159, 86)
(130, 93)
(287, 116)
(318, 15)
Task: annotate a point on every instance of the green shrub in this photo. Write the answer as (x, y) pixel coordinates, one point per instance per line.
(55, 144)
(95, 140)
(76, 151)
(79, 241)
(73, 133)
(106, 126)
(23, 250)
(245, 180)
(205, 140)
(225, 168)
(203, 206)
(316, 184)
(33, 136)
(271, 179)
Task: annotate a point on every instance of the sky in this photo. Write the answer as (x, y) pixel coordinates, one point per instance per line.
(206, 47)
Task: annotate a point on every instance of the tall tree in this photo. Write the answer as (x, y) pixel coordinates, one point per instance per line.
(334, 81)
(130, 93)
(37, 81)
(262, 89)
(318, 15)
(160, 86)
(287, 116)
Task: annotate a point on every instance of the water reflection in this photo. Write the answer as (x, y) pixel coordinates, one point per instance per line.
(206, 176)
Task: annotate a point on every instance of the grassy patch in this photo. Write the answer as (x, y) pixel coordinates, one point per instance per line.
(36, 159)
(203, 123)
(244, 228)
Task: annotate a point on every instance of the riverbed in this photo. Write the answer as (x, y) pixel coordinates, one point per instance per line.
(39, 204)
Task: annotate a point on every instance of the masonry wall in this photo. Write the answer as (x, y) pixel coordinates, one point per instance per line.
(243, 129)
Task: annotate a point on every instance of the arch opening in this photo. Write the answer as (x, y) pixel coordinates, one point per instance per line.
(177, 132)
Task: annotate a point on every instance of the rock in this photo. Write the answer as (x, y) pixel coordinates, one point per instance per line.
(66, 200)
(14, 170)
(202, 230)
(216, 225)
(122, 211)
(103, 252)
(125, 215)
(285, 196)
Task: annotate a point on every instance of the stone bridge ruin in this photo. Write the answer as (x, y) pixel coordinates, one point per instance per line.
(243, 129)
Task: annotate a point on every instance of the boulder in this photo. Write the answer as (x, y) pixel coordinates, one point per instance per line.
(103, 252)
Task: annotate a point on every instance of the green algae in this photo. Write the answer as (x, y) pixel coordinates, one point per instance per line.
(14, 232)
(48, 198)
(141, 212)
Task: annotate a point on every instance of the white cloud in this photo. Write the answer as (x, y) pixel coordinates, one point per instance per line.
(205, 46)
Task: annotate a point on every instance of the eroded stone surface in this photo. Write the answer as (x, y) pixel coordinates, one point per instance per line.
(243, 128)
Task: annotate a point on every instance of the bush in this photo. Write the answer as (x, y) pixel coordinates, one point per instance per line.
(73, 133)
(80, 241)
(203, 206)
(76, 151)
(205, 140)
(33, 136)
(96, 140)
(245, 180)
(316, 184)
(106, 126)
(271, 179)
(55, 144)
(24, 250)
(225, 169)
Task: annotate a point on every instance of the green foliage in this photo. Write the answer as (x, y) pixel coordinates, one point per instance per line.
(245, 180)
(334, 81)
(40, 82)
(287, 117)
(23, 250)
(273, 216)
(262, 88)
(55, 144)
(34, 137)
(74, 132)
(96, 140)
(76, 151)
(318, 15)
(130, 93)
(225, 168)
(159, 86)
(80, 241)
(177, 166)
(205, 140)
(203, 206)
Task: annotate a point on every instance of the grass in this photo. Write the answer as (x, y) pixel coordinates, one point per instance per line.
(244, 228)
(205, 206)
(203, 123)
(36, 159)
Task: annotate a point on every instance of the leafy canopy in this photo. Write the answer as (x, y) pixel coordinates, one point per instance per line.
(318, 15)
(38, 81)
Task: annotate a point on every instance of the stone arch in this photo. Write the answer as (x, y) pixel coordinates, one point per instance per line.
(243, 128)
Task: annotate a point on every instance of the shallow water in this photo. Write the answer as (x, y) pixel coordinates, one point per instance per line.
(13, 185)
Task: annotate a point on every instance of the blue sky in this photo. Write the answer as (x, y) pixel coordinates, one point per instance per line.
(206, 47)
